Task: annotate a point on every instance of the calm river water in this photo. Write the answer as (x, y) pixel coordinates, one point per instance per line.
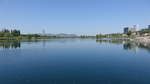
(74, 61)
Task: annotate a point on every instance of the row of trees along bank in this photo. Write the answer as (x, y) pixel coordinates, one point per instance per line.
(8, 33)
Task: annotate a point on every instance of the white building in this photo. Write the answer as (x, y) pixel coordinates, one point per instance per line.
(136, 26)
(131, 29)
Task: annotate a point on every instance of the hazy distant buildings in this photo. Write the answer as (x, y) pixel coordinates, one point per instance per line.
(43, 32)
(135, 26)
(129, 29)
(133, 31)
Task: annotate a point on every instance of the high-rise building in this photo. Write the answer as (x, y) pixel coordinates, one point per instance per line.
(43, 31)
(132, 29)
(126, 30)
(129, 29)
(135, 26)
(148, 26)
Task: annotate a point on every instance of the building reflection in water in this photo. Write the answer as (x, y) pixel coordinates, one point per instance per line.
(128, 45)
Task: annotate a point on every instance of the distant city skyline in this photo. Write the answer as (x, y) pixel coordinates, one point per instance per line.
(87, 17)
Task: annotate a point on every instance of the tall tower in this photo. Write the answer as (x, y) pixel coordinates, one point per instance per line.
(43, 32)
(135, 26)
(148, 26)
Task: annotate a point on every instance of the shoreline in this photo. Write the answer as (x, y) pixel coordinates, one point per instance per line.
(136, 39)
(139, 39)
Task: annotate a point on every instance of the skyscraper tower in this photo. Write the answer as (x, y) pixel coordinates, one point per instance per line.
(135, 26)
(43, 31)
(148, 26)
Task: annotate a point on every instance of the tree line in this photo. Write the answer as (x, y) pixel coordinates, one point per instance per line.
(7, 32)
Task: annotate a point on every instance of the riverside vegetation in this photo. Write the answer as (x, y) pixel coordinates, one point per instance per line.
(15, 34)
(129, 35)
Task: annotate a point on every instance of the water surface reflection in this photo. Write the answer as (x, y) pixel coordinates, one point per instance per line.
(128, 45)
(74, 61)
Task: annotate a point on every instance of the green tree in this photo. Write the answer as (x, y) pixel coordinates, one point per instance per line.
(129, 33)
(5, 32)
(15, 32)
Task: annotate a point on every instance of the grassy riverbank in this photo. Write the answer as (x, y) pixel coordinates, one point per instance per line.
(26, 37)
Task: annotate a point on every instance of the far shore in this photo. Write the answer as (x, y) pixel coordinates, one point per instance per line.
(137, 39)
(145, 39)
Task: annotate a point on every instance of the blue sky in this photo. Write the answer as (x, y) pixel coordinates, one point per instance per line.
(74, 16)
